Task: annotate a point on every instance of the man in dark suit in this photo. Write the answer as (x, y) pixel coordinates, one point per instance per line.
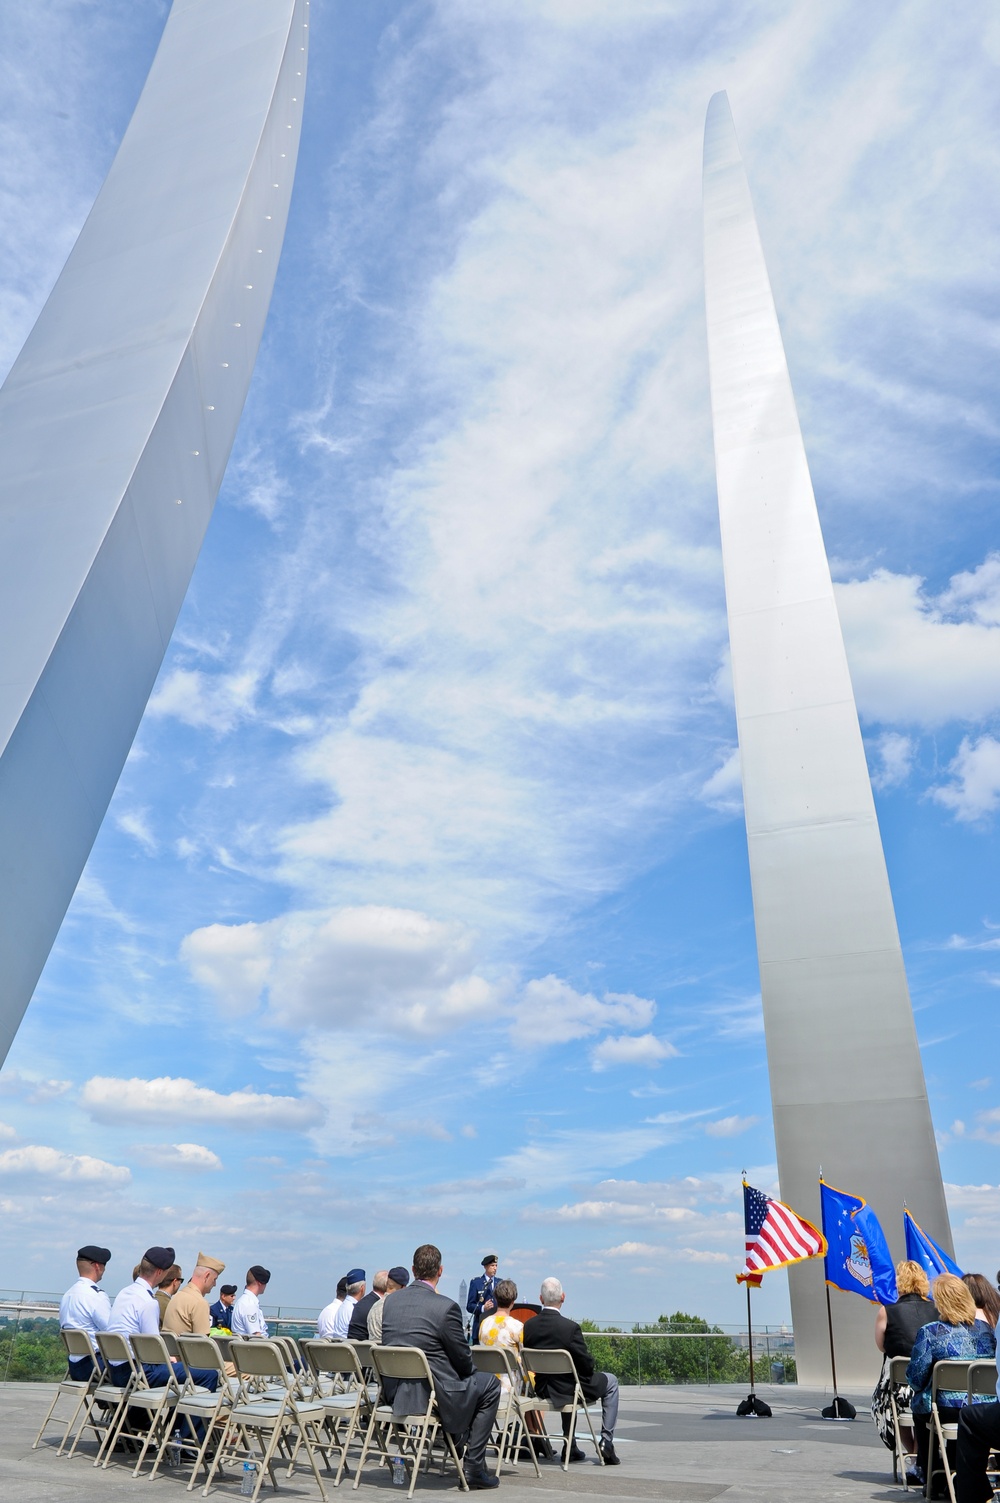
(357, 1329)
(551, 1331)
(467, 1400)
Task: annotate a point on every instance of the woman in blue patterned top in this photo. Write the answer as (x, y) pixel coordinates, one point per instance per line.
(957, 1336)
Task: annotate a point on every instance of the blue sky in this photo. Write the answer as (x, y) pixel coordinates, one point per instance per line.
(422, 908)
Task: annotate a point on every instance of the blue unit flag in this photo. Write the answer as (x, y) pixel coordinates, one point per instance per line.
(858, 1257)
(924, 1250)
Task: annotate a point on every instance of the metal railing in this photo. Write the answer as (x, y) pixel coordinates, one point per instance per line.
(30, 1347)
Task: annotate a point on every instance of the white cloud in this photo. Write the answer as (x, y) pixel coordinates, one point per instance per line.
(135, 822)
(730, 1127)
(974, 792)
(631, 1250)
(49, 1163)
(180, 1101)
(699, 1255)
(347, 968)
(724, 789)
(213, 701)
(550, 1011)
(921, 659)
(644, 1049)
(895, 752)
(33, 1089)
(188, 1156)
(7, 1132)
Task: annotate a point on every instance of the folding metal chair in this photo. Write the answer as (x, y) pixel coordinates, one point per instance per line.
(515, 1404)
(200, 1405)
(559, 1363)
(107, 1406)
(170, 1342)
(77, 1344)
(157, 1403)
(944, 1375)
(900, 1416)
(263, 1422)
(339, 1383)
(413, 1435)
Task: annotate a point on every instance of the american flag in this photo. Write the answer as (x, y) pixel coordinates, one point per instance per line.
(775, 1236)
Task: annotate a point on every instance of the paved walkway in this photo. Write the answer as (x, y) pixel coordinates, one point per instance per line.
(681, 1445)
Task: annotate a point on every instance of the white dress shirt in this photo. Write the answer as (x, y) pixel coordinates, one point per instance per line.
(247, 1317)
(135, 1312)
(342, 1319)
(327, 1320)
(85, 1307)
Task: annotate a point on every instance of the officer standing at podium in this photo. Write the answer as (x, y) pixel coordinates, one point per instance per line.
(481, 1301)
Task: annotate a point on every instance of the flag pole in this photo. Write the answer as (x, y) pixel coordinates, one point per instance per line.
(840, 1409)
(751, 1407)
(750, 1340)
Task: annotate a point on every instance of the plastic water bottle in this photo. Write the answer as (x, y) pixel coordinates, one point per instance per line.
(398, 1472)
(249, 1478)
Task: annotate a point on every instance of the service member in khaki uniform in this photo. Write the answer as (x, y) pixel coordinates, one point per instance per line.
(188, 1313)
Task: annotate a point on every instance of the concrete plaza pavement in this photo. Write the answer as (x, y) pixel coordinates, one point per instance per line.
(681, 1445)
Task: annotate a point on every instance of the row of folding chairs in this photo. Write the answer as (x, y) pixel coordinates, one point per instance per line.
(977, 1378)
(276, 1399)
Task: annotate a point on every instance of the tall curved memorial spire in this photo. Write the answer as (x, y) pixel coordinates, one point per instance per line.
(116, 423)
(847, 1084)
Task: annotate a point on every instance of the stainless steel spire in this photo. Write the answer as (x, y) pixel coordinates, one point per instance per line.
(116, 423)
(847, 1084)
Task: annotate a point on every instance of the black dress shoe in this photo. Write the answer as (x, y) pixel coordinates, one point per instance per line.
(576, 1454)
(611, 1457)
(480, 1479)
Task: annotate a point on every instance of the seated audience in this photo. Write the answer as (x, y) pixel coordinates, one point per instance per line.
(896, 1327)
(85, 1307)
(978, 1437)
(467, 1400)
(172, 1281)
(328, 1314)
(248, 1319)
(135, 1312)
(550, 1330)
(986, 1297)
(357, 1330)
(956, 1335)
(222, 1311)
(188, 1313)
(398, 1279)
(355, 1281)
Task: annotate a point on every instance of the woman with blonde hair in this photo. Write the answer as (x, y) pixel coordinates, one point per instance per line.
(896, 1327)
(957, 1336)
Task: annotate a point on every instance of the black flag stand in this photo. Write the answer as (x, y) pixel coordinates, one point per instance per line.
(752, 1407)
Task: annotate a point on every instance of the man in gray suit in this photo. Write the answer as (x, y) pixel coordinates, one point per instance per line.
(467, 1400)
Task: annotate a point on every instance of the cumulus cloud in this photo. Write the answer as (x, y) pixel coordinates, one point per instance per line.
(346, 968)
(730, 1127)
(550, 1011)
(188, 1156)
(6, 1132)
(34, 1089)
(923, 659)
(974, 792)
(699, 1255)
(178, 1100)
(630, 1250)
(34, 1159)
(642, 1049)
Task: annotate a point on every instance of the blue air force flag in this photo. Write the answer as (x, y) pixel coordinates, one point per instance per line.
(858, 1257)
(924, 1250)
